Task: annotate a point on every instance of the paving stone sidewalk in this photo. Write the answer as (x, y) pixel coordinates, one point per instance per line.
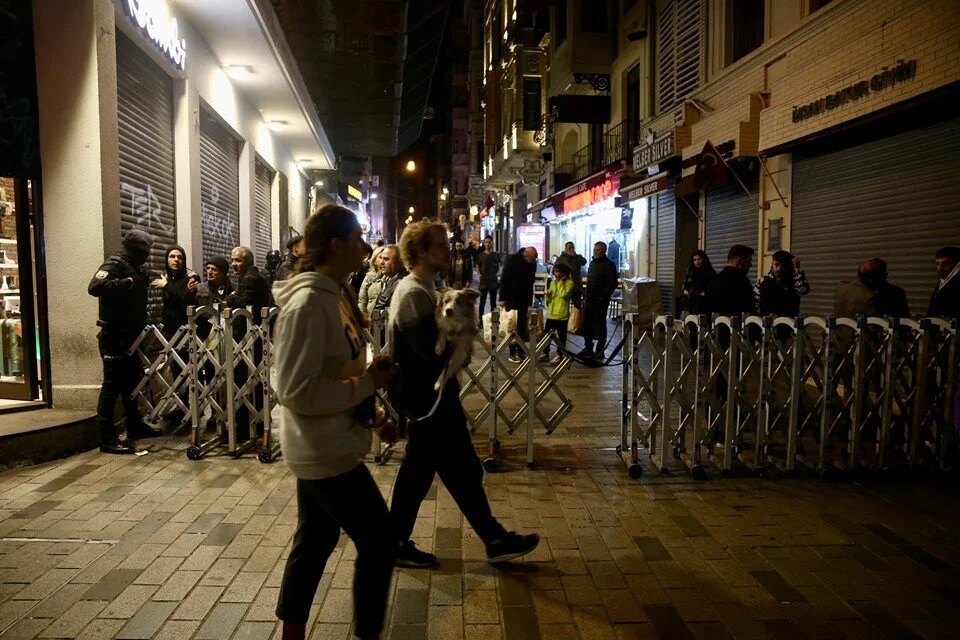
(162, 547)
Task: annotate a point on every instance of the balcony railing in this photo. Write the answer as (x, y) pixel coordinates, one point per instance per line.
(615, 144)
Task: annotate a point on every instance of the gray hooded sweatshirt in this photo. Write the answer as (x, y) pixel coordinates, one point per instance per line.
(320, 358)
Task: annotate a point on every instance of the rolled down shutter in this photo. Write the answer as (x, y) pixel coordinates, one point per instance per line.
(145, 127)
(261, 205)
(894, 198)
(666, 247)
(219, 188)
(731, 218)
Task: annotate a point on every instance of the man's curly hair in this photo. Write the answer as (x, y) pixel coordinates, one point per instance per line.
(416, 240)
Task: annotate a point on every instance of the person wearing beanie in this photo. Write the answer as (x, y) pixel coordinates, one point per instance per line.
(120, 284)
(294, 251)
(778, 293)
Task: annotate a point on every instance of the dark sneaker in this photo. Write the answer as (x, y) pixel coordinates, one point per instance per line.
(117, 447)
(410, 556)
(598, 355)
(586, 352)
(511, 546)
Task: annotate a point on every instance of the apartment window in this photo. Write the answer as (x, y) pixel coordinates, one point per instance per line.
(531, 103)
(633, 106)
(748, 27)
(680, 51)
(593, 17)
(561, 21)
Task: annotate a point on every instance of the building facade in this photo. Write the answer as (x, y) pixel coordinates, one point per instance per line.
(153, 116)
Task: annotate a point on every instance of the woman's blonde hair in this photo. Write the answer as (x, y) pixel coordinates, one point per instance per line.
(374, 268)
(416, 241)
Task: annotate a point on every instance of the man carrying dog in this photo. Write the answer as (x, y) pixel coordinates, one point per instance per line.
(438, 441)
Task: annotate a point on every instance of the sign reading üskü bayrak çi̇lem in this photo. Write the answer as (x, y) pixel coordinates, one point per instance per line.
(154, 19)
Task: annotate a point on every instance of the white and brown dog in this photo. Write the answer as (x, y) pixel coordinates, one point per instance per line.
(457, 322)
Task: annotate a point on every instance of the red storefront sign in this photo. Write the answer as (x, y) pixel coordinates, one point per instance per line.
(592, 195)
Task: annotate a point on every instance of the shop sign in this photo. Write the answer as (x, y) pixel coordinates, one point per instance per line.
(880, 82)
(154, 19)
(353, 192)
(645, 188)
(586, 195)
(654, 152)
(532, 235)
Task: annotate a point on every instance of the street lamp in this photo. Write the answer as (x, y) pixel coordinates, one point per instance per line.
(411, 166)
(411, 210)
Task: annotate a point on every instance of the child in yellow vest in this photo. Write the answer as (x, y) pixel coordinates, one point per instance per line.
(558, 308)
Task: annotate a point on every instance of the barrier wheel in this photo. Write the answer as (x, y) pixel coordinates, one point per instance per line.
(698, 472)
(193, 452)
(264, 456)
(635, 471)
(676, 452)
(490, 465)
(619, 450)
(378, 458)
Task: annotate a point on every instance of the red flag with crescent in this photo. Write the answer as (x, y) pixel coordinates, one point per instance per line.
(711, 168)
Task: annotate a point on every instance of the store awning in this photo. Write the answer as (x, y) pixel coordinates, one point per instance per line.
(643, 188)
(601, 184)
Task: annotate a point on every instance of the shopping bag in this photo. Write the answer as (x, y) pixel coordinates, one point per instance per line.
(487, 321)
(508, 321)
(575, 321)
(537, 327)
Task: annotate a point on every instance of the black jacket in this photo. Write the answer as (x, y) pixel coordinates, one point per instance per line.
(488, 266)
(945, 301)
(601, 281)
(781, 296)
(122, 290)
(696, 284)
(253, 290)
(465, 276)
(386, 292)
(730, 294)
(516, 281)
(855, 298)
(176, 298)
(285, 270)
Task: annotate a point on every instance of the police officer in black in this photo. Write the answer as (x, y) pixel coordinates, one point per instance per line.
(121, 285)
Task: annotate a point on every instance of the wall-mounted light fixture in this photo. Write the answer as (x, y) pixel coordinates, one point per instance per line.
(238, 71)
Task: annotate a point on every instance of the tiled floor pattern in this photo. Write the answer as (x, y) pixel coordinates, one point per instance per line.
(162, 547)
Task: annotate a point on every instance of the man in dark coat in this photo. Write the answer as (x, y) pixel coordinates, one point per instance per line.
(872, 294)
(945, 301)
(488, 270)
(179, 288)
(778, 293)
(730, 292)
(294, 251)
(121, 286)
(601, 283)
(252, 290)
(575, 262)
(516, 293)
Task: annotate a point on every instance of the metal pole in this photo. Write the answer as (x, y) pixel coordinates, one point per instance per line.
(493, 443)
(231, 417)
(665, 391)
(729, 410)
(531, 383)
(796, 372)
(919, 393)
(194, 378)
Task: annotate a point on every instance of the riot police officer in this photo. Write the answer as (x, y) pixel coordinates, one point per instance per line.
(121, 286)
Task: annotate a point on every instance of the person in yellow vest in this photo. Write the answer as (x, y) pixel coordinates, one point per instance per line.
(558, 308)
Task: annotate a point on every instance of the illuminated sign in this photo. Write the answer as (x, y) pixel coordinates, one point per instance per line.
(590, 195)
(154, 19)
(653, 153)
(353, 192)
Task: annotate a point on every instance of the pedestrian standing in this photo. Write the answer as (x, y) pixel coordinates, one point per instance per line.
(945, 301)
(778, 293)
(121, 286)
(488, 270)
(575, 262)
(516, 294)
(558, 309)
(372, 283)
(322, 378)
(601, 283)
(699, 274)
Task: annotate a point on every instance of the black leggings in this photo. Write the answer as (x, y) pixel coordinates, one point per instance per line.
(352, 501)
(560, 326)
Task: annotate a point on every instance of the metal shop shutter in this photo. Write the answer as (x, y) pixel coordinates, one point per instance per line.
(261, 211)
(731, 218)
(219, 188)
(145, 124)
(666, 246)
(894, 198)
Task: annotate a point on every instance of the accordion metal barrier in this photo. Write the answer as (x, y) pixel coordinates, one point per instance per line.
(217, 372)
(828, 394)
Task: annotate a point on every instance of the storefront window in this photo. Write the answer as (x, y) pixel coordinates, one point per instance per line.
(19, 347)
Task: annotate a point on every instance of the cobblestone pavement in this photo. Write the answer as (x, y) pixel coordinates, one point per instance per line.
(161, 547)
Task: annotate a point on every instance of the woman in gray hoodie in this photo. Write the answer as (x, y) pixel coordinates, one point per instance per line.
(322, 381)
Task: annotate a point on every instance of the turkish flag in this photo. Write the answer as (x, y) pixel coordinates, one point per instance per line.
(711, 168)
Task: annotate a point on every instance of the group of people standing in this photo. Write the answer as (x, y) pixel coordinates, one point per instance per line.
(779, 291)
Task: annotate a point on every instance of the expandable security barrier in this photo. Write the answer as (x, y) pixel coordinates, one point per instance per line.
(216, 370)
(831, 394)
